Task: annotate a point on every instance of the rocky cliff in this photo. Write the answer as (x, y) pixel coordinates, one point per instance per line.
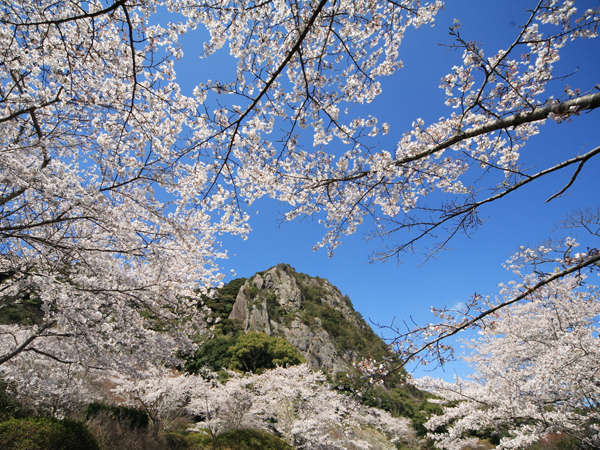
(309, 312)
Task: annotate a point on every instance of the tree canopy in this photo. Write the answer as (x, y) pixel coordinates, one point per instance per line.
(116, 187)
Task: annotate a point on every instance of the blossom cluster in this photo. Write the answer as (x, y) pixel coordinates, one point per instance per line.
(296, 403)
(374, 371)
(536, 364)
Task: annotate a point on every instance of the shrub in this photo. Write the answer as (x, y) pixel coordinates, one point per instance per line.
(214, 354)
(250, 352)
(114, 435)
(130, 417)
(44, 433)
(229, 327)
(257, 351)
(175, 441)
(9, 407)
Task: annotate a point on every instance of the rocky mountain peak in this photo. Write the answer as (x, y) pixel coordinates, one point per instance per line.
(310, 313)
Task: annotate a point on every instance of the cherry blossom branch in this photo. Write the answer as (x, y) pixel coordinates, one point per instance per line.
(568, 107)
(472, 207)
(571, 181)
(101, 12)
(31, 109)
(133, 63)
(468, 323)
(265, 89)
(60, 360)
(21, 347)
(572, 106)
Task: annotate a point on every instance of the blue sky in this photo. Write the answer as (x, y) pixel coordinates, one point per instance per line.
(384, 291)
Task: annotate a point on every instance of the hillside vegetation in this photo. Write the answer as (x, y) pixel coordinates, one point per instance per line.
(238, 393)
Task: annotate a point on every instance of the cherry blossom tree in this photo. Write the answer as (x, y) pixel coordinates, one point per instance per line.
(298, 404)
(115, 185)
(165, 394)
(100, 218)
(47, 385)
(161, 393)
(536, 363)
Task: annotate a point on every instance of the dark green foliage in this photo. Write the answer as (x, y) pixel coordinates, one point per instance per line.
(247, 352)
(9, 407)
(229, 327)
(24, 307)
(241, 439)
(175, 441)
(130, 417)
(44, 433)
(487, 434)
(400, 402)
(25, 311)
(257, 351)
(248, 440)
(251, 291)
(214, 354)
(231, 289)
(274, 309)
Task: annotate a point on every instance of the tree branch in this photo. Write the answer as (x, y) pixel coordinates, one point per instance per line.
(108, 9)
(586, 262)
(470, 208)
(586, 102)
(25, 343)
(267, 86)
(31, 109)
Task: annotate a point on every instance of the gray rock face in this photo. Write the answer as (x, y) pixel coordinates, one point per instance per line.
(282, 302)
(315, 344)
(240, 307)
